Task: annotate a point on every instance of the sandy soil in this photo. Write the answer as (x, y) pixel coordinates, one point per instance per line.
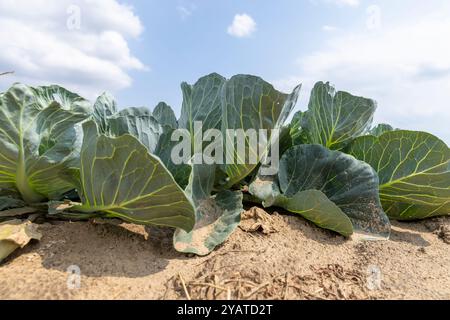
(276, 257)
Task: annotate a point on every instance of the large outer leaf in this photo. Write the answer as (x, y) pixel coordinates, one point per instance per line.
(248, 102)
(350, 184)
(46, 95)
(414, 171)
(315, 206)
(38, 138)
(311, 204)
(153, 130)
(119, 177)
(335, 119)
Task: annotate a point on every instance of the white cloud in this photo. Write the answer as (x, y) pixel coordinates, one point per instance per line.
(405, 67)
(243, 26)
(43, 44)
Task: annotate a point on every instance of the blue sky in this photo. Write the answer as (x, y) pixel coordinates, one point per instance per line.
(183, 48)
(392, 51)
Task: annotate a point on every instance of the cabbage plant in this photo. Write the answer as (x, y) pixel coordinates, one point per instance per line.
(65, 157)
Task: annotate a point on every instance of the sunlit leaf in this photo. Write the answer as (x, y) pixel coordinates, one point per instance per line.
(334, 119)
(120, 178)
(251, 103)
(39, 136)
(414, 171)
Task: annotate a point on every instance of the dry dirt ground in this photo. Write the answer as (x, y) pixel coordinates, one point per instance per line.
(268, 257)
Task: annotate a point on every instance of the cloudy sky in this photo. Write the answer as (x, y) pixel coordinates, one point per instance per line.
(396, 52)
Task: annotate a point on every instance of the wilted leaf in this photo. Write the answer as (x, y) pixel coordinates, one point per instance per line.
(16, 234)
(217, 217)
(56, 207)
(257, 220)
(265, 189)
(17, 212)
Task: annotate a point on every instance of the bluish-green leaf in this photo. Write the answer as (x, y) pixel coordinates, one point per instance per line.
(350, 184)
(10, 203)
(138, 122)
(315, 206)
(46, 95)
(414, 171)
(104, 107)
(298, 135)
(164, 114)
(180, 172)
(201, 182)
(334, 119)
(202, 102)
